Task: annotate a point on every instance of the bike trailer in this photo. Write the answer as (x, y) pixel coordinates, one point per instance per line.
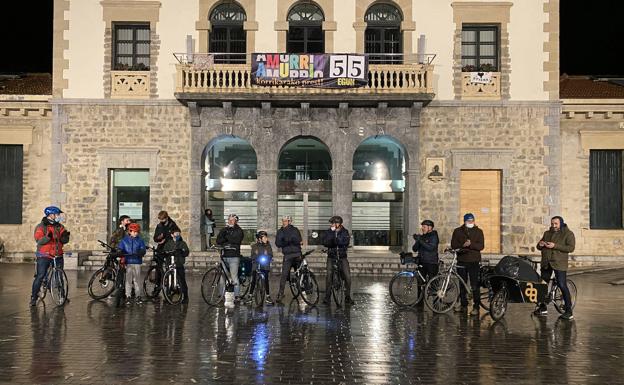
(523, 283)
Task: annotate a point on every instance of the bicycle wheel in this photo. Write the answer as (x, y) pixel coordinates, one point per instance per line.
(440, 297)
(213, 287)
(171, 288)
(558, 296)
(405, 289)
(59, 287)
(337, 288)
(498, 306)
(486, 297)
(309, 288)
(151, 282)
(102, 283)
(294, 288)
(120, 285)
(43, 289)
(244, 283)
(259, 291)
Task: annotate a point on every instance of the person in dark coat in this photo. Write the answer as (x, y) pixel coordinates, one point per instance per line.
(164, 229)
(337, 240)
(230, 238)
(261, 249)
(121, 231)
(426, 245)
(470, 240)
(555, 245)
(288, 238)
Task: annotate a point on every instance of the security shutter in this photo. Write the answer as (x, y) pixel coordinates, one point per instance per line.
(11, 183)
(605, 189)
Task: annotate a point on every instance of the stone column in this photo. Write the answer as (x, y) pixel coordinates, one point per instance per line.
(197, 192)
(411, 214)
(267, 201)
(342, 194)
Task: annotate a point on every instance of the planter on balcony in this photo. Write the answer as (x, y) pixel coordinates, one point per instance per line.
(130, 84)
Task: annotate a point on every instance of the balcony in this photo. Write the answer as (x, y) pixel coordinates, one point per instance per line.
(130, 84)
(481, 85)
(201, 78)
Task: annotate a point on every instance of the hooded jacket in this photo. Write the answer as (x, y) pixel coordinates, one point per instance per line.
(50, 237)
(289, 240)
(426, 246)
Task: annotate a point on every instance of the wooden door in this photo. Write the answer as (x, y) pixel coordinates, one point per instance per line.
(480, 194)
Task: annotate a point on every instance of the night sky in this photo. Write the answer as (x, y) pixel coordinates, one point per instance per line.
(592, 37)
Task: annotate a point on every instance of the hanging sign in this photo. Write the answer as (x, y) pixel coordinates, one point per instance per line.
(481, 77)
(309, 70)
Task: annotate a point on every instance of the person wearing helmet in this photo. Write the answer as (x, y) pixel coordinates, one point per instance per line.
(166, 226)
(50, 236)
(261, 249)
(180, 250)
(121, 231)
(288, 238)
(133, 249)
(426, 245)
(337, 239)
(230, 238)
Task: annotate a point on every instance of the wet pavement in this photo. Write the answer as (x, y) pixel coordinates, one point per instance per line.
(372, 342)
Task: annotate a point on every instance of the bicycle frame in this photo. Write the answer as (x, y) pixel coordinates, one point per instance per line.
(452, 272)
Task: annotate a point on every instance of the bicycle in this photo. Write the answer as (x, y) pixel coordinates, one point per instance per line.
(263, 264)
(338, 284)
(407, 286)
(170, 285)
(443, 290)
(303, 282)
(218, 278)
(152, 283)
(102, 282)
(54, 281)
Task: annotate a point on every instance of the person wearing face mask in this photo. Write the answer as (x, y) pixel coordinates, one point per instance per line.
(180, 250)
(121, 231)
(164, 229)
(555, 245)
(50, 236)
(469, 239)
(231, 237)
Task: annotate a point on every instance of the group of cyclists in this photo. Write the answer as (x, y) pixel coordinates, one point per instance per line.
(50, 236)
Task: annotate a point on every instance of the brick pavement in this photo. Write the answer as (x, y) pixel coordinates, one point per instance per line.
(372, 342)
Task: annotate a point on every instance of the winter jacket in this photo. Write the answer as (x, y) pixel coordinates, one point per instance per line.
(133, 250)
(179, 248)
(163, 231)
(557, 257)
(336, 242)
(117, 236)
(471, 253)
(426, 246)
(289, 240)
(231, 238)
(50, 237)
(258, 249)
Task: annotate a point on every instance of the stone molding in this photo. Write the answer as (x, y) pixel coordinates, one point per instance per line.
(552, 48)
(59, 45)
(17, 135)
(601, 140)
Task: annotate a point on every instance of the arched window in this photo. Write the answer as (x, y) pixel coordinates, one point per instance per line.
(227, 36)
(305, 29)
(383, 37)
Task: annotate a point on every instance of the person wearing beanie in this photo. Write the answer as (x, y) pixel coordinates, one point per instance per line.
(555, 245)
(469, 239)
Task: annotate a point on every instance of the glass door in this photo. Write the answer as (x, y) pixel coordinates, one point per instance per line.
(129, 195)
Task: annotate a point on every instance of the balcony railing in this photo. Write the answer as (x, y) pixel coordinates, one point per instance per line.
(130, 84)
(203, 74)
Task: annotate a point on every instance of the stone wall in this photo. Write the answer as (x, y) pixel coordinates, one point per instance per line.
(96, 137)
(34, 121)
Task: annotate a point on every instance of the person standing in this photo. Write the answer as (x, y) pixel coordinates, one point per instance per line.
(133, 249)
(426, 246)
(164, 229)
(121, 231)
(470, 240)
(337, 239)
(261, 249)
(176, 245)
(231, 237)
(555, 245)
(288, 238)
(209, 227)
(50, 236)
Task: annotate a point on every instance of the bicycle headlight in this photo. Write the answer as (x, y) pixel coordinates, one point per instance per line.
(263, 259)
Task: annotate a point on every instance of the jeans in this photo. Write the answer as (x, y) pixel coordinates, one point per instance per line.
(133, 276)
(43, 263)
(233, 263)
(465, 270)
(561, 276)
(343, 266)
(290, 261)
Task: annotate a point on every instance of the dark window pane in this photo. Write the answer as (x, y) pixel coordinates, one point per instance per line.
(11, 183)
(296, 33)
(480, 47)
(237, 33)
(295, 47)
(605, 189)
(315, 47)
(132, 47)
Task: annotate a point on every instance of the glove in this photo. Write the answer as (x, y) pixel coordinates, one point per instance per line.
(65, 237)
(416, 237)
(50, 234)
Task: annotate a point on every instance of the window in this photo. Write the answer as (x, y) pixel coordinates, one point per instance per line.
(480, 48)
(605, 189)
(383, 35)
(228, 39)
(11, 183)
(131, 48)
(305, 29)
(130, 195)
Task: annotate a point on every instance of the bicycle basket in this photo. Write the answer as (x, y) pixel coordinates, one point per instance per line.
(408, 258)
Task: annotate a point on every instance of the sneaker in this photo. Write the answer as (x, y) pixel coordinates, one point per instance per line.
(567, 316)
(349, 301)
(33, 302)
(474, 311)
(139, 300)
(128, 301)
(541, 310)
(237, 299)
(268, 300)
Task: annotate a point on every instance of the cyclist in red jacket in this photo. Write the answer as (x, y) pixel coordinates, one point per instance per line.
(50, 236)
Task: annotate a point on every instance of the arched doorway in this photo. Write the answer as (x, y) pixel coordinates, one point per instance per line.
(304, 186)
(378, 187)
(230, 184)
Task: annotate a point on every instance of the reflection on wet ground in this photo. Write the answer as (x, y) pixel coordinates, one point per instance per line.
(372, 342)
